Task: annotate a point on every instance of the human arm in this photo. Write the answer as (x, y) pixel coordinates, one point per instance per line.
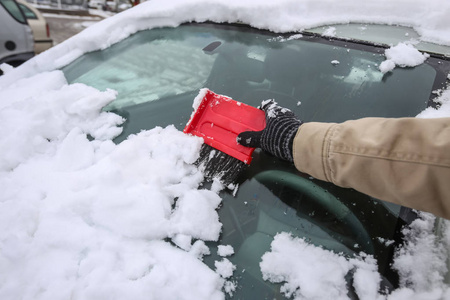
(404, 161)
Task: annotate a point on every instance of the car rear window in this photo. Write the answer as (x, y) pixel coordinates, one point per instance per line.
(13, 9)
(29, 14)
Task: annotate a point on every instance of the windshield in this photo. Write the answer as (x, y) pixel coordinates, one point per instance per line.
(158, 73)
(321, 77)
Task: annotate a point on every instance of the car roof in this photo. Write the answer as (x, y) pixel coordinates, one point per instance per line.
(379, 34)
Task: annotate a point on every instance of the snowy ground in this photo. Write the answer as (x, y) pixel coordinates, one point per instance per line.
(84, 218)
(63, 27)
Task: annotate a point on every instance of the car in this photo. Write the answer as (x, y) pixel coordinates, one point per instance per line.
(97, 4)
(101, 196)
(40, 27)
(16, 40)
(157, 74)
(123, 6)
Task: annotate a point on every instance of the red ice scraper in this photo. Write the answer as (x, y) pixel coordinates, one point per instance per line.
(218, 120)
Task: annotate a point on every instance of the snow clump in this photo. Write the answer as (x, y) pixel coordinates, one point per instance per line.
(310, 272)
(84, 218)
(330, 32)
(225, 268)
(402, 55)
(225, 250)
(443, 101)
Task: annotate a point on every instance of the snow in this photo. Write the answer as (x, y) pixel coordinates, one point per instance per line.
(89, 19)
(198, 99)
(428, 17)
(225, 268)
(230, 287)
(335, 62)
(225, 250)
(295, 37)
(330, 31)
(403, 55)
(88, 218)
(421, 251)
(311, 272)
(195, 105)
(444, 107)
(84, 218)
(422, 261)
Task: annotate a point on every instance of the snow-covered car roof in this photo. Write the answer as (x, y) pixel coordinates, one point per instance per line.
(84, 218)
(429, 18)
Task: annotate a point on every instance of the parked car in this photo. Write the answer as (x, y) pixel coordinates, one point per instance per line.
(97, 4)
(16, 39)
(158, 73)
(37, 22)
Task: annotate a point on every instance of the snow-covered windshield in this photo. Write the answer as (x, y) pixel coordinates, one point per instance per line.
(251, 66)
(318, 79)
(148, 66)
(82, 217)
(158, 73)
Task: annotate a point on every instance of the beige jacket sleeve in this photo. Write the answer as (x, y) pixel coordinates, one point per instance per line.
(404, 161)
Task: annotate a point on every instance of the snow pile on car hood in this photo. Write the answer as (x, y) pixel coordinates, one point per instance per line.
(84, 218)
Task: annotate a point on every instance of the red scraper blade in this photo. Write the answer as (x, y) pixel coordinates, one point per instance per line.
(219, 119)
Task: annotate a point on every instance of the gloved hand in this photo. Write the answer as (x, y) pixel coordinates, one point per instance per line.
(278, 136)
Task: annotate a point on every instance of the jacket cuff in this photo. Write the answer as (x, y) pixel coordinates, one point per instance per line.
(311, 148)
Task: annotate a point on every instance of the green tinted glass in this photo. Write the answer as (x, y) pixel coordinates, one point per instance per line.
(154, 68)
(321, 82)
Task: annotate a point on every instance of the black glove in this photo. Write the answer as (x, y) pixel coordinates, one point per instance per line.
(278, 136)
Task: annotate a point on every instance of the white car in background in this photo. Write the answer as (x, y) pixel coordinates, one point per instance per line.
(16, 40)
(40, 27)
